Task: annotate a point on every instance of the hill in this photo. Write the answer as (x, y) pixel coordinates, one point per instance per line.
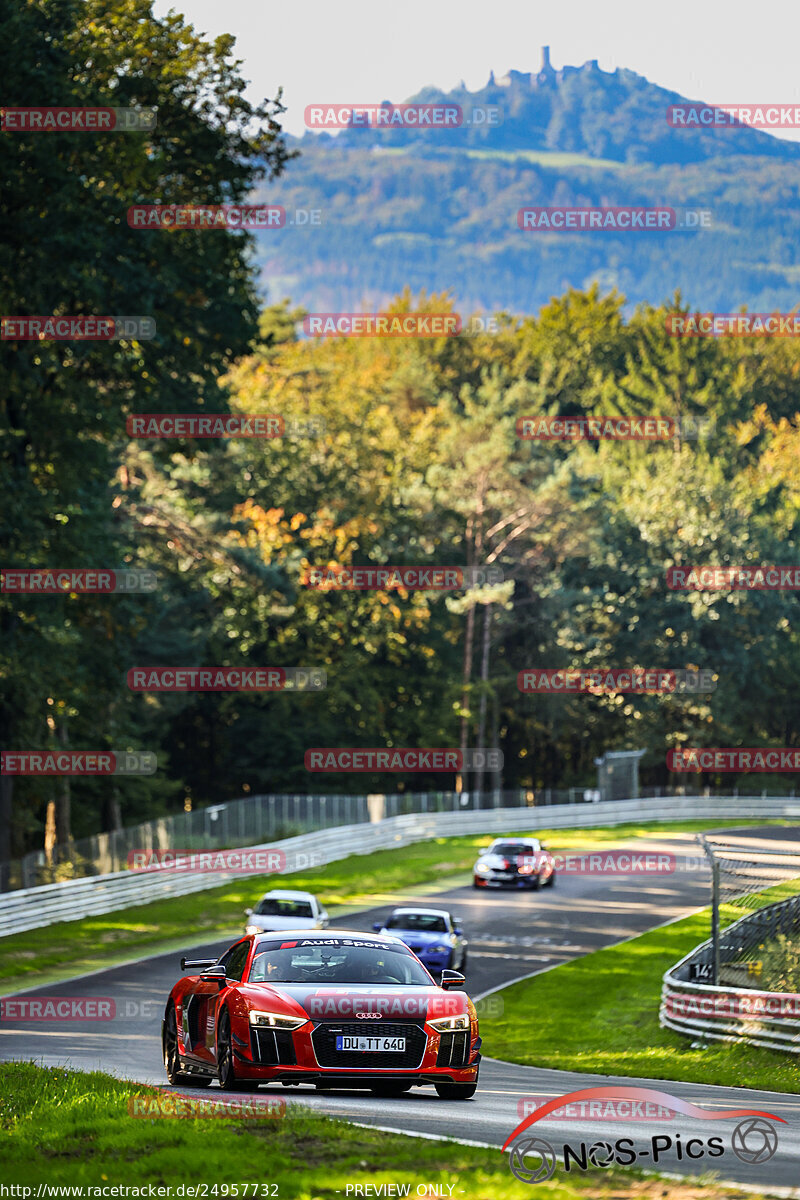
(437, 209)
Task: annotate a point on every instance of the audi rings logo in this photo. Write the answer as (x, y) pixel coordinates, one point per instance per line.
(541, 1152)
(368, 1016)
(754, 1140)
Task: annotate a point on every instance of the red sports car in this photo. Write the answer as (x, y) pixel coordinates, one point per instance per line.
(330, 1008)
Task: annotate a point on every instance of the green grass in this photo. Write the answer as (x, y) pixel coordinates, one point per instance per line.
(599, 1015)
(74, 1128)
(557, 159)
(360, 881)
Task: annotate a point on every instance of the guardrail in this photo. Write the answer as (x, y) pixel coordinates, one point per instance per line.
(734, 1014)
(72, 899)
(254, 819)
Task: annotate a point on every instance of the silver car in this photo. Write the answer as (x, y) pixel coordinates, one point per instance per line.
(286, 910)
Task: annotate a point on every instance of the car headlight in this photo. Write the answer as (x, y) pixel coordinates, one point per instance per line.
(448, 1024)
(439, 949)
(482, 868)
(252, 929)
(275, 1020)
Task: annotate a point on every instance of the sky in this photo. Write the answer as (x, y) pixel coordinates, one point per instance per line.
(371, 50)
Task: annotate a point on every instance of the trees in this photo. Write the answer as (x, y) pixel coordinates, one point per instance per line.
(69, 249)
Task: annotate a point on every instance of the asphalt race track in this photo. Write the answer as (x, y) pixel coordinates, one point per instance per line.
(511, 934)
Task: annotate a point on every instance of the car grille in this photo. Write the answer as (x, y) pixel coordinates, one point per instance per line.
(273, 1047)
(324, 1041)
(453, 1049)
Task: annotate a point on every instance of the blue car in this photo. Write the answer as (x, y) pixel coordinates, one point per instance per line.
(432, 934)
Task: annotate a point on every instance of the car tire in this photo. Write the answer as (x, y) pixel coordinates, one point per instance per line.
(390, 1089)
(171, 1054)
(475, 884)
(552, 880)
(456, 1091)
(535, 883)
(225, 1069)
(463, 967)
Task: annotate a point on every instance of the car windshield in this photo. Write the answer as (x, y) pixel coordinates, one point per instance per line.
(336, 961)
(514, 848)
(270, 906)
(418, 922)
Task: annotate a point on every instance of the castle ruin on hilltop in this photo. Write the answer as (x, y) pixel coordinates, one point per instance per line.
(545, 75)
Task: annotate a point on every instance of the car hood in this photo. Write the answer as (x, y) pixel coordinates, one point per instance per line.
(266, 922)
(419, 938)
(500, 860)
(331, 1002)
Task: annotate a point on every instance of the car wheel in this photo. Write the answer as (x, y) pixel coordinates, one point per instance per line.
(552, 880)
(463, 966)
(172, 1058)
(389, 1089)
(456, 1091)
(475, 883)
(535, 883)
(225, 1070)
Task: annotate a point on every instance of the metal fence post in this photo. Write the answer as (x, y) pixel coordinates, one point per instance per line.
(714, 864)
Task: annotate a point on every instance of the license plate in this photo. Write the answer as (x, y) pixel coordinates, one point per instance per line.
(371, 1044)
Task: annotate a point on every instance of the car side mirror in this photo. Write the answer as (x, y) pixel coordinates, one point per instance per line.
(452, 979)
(377, 926)
(458, 932)
(188, 964)
(217, 972)
(248, 912)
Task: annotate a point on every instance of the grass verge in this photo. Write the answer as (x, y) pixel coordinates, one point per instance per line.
(42, 956)
(74, 1128)
(599, 1015)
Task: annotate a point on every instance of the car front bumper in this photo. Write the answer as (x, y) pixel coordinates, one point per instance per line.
(501, 879)
(306, 1056)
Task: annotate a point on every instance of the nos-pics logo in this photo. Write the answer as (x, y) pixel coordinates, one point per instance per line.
(533, 1159)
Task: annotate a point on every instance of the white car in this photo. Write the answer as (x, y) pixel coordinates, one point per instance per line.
(286, 910)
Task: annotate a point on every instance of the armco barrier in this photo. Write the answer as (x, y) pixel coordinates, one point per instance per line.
(758, 1028)
(72, 899)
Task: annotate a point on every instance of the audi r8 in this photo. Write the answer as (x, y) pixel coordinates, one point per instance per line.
(432, 934)
(511, 862)
(330, 1008)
